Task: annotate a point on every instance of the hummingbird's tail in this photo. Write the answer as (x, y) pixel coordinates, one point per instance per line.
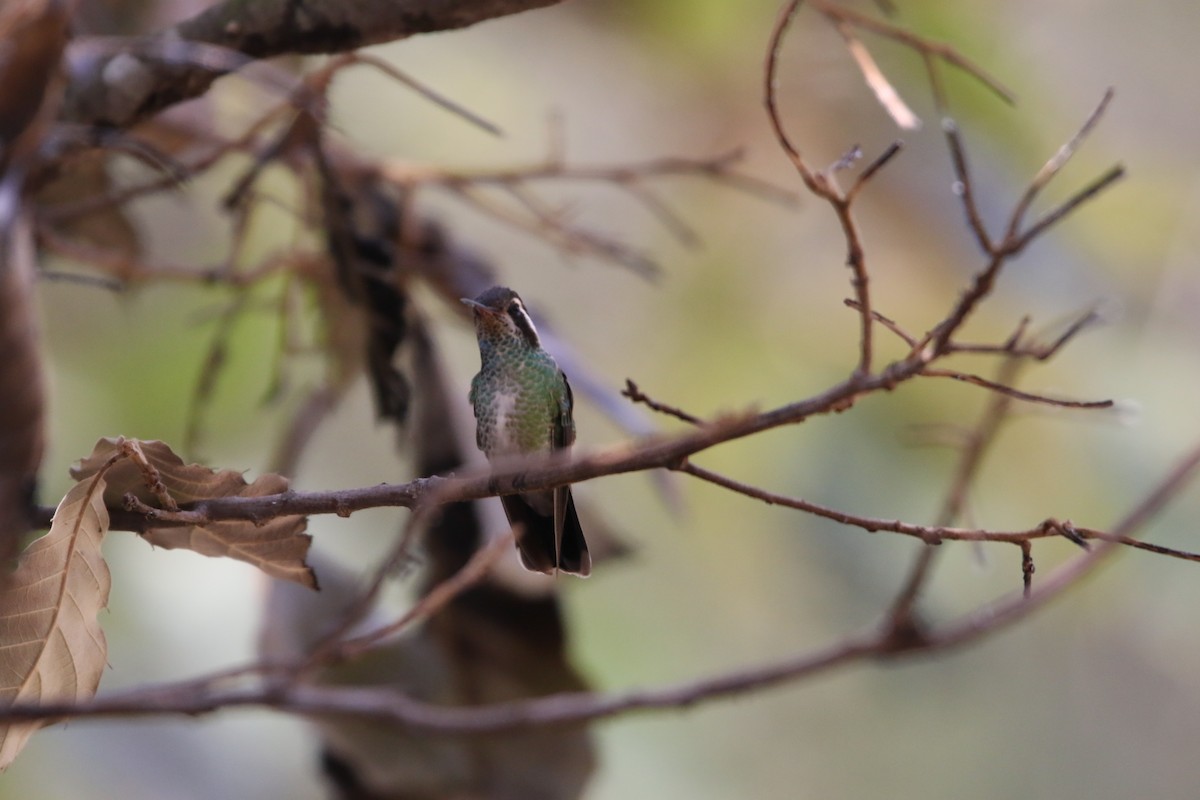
(536, 542)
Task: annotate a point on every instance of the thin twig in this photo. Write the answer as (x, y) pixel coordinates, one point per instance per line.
(1027, 568)
(880, 161)
(475, 570)
(823, 186)
(964, 187)
(1055, 165)
(976, 380)
(975, 447)
(1056, 215)
(1017, 346)
(770, 85)
(943, 531)
(929, 49)
(438, 99)
(635, 394)
(1005, 612)
(886, 322)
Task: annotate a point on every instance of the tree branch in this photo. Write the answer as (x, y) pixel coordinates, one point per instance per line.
(206, 696)
(123, 87)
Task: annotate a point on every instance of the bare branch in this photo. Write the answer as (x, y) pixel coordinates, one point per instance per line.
(205, 696)
(292, 134)
(1006, 612)
(999, 253)
(127, 87)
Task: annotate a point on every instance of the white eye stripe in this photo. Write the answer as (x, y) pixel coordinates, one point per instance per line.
(521, 319)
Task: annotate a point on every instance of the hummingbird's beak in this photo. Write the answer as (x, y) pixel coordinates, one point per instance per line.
(479, 308)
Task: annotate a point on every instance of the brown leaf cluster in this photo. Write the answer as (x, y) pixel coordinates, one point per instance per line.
(158, 478)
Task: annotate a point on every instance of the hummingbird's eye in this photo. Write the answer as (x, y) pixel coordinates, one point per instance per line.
(514, 307)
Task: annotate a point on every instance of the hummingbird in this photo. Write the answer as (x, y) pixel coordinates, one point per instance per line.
(523, 406)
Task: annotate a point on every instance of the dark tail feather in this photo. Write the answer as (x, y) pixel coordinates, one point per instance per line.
(535, 532)
(536, 542)
(573, 556)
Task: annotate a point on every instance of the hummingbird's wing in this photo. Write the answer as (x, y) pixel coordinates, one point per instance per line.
(564, 424)
(550, 538)
(561, 437)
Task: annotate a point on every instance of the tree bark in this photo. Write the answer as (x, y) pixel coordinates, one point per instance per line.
(118, 89)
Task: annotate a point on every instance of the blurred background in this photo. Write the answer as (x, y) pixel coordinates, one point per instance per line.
(1096, 695)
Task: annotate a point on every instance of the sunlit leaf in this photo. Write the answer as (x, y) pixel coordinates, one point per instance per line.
(51, 645)
(278, 547)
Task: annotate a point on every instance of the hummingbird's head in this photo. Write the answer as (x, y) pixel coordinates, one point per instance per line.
(499, 313)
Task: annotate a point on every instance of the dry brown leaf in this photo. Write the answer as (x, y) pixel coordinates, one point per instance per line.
(108, 229)
(159, 478)
(51, 645)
